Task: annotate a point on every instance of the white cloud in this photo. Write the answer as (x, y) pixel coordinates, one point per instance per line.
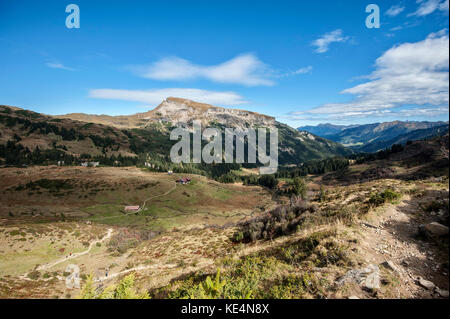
(407, 74)
(245, 69)
(57, 65)
(303, 70)
(156, 96)
(324, 41)
(429, 6)
(394, 11)
(417, 112)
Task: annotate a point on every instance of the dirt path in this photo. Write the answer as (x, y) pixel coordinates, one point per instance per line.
(138, 268)
(152, 197)
(392, 237)
(75, 255)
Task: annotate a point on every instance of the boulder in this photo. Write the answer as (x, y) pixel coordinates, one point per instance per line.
(433, 229)
(368, 277)
(426, 284)
(441, 292)
(372, 281)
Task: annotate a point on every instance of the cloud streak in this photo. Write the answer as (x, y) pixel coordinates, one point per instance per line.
(57, 65)
(427, 7)
(156, 96)
(323, 43)
(407, 74)
(420, 112)
(394, 11)
(304, 70)
(245, 69)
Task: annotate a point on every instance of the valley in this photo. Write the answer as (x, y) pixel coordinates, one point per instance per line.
(374, 137)
(101, 202)
(185, 233)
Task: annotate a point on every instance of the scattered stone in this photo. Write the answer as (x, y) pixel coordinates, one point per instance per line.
(433, 229)
(390, 265)
(372, 281)
(426, 284)
(368, 277)
(441, 292)
(370, 225)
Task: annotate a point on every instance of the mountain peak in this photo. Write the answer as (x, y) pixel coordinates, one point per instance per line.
(190, 103)
(183, 111)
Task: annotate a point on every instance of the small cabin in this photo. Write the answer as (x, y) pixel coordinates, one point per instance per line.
(131, 208)
(184, 180)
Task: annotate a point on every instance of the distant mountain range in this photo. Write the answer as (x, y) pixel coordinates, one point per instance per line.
(377, 136)
(404, 138)
(325, 129)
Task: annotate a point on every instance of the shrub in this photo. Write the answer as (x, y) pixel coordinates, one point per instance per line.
(435, 206)
(295, 287)
(298, 187)
(241, 282)
(323, 196)
(125, 289)
(280, 221)
(34, 275)
(239, 236)
(126, 239)
(268, 181)
(388, 195)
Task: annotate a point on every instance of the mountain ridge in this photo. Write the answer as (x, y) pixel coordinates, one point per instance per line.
(359, 136)
(68, 135)
(172, 106)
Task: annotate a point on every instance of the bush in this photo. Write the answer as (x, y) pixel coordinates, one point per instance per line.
(298, 187)
(323, 196)
(280, 221)
(126, 239)
(294, 287)
(436, 206)
(388, 195)
(241, 282)
(268, 181)
(34, 275)
(125, 289)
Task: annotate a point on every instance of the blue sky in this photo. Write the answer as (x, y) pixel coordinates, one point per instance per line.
(304, 62)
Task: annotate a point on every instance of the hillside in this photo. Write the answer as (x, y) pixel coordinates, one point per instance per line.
(143, 136)
(375, 229)
(404, 138)
(28, 137)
